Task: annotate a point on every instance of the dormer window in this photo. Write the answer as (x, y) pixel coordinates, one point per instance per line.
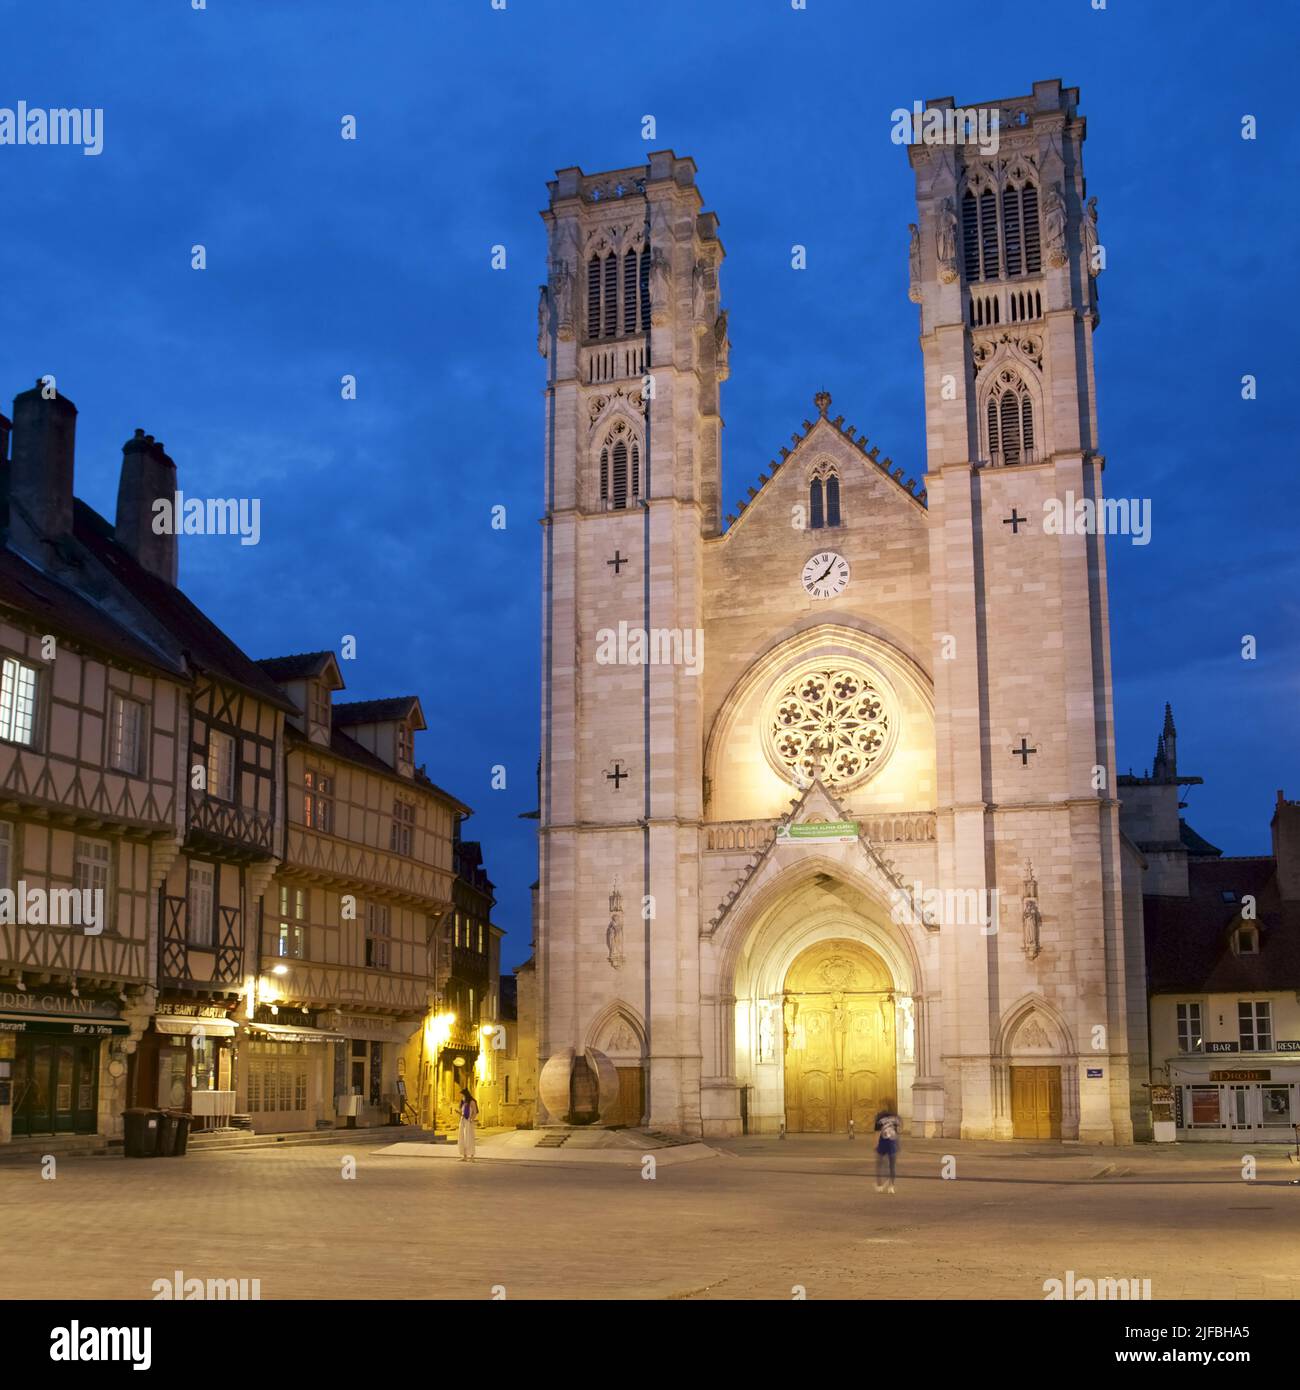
(1247, 941)
(405, 743)
(320, 703)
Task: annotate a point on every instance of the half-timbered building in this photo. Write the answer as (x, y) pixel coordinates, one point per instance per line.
(350, 928)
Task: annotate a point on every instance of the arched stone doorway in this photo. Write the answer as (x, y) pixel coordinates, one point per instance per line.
(839, 1034)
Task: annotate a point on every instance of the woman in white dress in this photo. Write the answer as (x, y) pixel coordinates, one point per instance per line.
(468, 1118)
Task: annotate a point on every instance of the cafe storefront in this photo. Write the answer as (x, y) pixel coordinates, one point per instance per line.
(1255, 1102)
(61, 1069)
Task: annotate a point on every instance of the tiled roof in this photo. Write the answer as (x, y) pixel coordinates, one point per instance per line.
(374, 711)
(346, 747)
(200, 640)
(296, 666)
(1193, 843)
(28, 592)
(1188, 940)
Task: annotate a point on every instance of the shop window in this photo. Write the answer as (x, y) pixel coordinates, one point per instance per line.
(1205, 1107)
(1275, 1105)
(358, 1067)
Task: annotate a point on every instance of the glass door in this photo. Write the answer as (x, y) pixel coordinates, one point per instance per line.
(63, 1086)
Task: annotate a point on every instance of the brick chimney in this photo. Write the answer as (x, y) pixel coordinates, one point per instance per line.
(40, 472)
(147, 475)
(1286, 847)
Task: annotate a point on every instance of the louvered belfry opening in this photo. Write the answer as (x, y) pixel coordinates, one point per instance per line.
(993, 245)
(604, 475)
(619, 497)
(593, 297)
(629, 291)
(618, 294)
(609, 319)
(1011, 426)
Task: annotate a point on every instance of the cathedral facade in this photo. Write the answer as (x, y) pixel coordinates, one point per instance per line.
(828, 813)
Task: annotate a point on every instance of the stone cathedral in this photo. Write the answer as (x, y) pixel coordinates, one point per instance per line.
(828, 815)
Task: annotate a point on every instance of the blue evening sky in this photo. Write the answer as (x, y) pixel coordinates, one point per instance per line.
(373, 258)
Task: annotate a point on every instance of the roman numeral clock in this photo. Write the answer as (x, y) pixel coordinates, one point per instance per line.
(826, 575)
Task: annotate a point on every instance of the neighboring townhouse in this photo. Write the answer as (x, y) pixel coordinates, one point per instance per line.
(349, 930)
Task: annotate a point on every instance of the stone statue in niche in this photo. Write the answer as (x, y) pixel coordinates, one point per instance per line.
(766, 1030)
(914, 264)
(660, 288)
(1090, 258)
(946, 242)
(562, 294)
(543, 320)
(1031, 917)
(614, 932)
(1054, 225)
(721, 344)
(699, 295)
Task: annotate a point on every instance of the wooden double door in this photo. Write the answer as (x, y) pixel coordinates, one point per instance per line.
(1036, 1102)
(840, 1053)
(56, 1085)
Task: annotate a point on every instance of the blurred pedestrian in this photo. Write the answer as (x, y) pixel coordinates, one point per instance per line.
(468, 1118)
(888, 1127)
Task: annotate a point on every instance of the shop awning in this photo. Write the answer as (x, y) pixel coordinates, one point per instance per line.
(57, 1023)
(286, 1032)
(183, 1027)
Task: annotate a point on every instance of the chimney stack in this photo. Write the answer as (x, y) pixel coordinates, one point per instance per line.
(40, 472)
(1286, 847)
(147, 475)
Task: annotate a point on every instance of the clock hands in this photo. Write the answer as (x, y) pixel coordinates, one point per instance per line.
(824, 572)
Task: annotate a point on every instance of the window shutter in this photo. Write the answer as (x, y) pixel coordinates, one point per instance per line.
(620, 474)
(629, 292)
(1029, 216)
(593, 297)
(1011, 240)
(611, 296)
(970, 237)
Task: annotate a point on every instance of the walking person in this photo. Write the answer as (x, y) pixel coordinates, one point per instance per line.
(468, 1118)
(889, 1127)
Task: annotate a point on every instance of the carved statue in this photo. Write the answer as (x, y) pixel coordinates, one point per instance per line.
(1089, 229)
(766, 1029)
(1031, 917)
(660, 303)
(1054, 225)
(562, 294)
(946, 242)
(699, 295)
(543, 320)
(721, 344)
(914, 264)
(614, 932)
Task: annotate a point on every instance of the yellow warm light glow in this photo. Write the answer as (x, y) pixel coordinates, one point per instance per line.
(280, 970)
(439, 1029)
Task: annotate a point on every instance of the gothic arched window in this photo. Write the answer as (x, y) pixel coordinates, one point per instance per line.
(832, 501)
(823, 497)
(593, 297)
(1010, 415)
(816, 512)
(1001, 239)
(620, 469)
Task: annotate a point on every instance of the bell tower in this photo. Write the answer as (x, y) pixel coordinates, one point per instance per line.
(635, 343)
(1004, 263)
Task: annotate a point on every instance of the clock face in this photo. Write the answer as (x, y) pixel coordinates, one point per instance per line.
(826, 575)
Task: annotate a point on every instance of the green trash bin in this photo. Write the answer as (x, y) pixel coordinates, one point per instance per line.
(141, 1132)
(181, 1132)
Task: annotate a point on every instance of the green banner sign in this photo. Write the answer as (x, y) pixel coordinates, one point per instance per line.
(818, 832)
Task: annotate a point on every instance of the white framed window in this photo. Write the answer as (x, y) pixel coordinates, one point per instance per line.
(1190, 1036)
(378, 932)
(17, 701)
(221, 765)
(402, 838)
(90, 860)
(199, 910)
(1255, 1025)
(318, 801)
(126, 734)
(290, 944)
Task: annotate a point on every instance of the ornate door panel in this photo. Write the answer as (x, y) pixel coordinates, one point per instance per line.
(839, 1039)
(1036, 1102)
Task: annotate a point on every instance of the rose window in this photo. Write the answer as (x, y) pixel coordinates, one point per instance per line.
(836, 719)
